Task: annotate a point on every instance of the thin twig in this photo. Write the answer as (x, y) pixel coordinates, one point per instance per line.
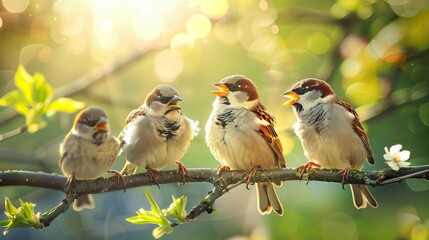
(12, 133)
(50, 216)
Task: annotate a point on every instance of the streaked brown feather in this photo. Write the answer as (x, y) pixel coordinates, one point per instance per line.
(269, 133)
(357, 127)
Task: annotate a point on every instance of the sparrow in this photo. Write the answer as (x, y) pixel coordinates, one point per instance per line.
(88, 151)
(331, 133)
(157, 134)
(240, 134)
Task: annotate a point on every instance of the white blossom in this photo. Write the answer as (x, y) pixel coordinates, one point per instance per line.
(396, 158)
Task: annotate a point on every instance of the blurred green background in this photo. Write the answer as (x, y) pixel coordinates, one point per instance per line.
(374, 53)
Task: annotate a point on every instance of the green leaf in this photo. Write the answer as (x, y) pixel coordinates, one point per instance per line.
(22, 109)
(177, 209)
(64, 105)
(161, 230)
(4, 223)
(34, 118)
(42, 90)
(155, 216)
(23, 216)
(153, 204)
(145, 217)
(13, 98)
(24, 82)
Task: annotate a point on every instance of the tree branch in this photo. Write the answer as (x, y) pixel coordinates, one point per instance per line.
(222, 183)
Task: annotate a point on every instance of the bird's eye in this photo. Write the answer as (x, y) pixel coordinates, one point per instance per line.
(90, 123)
(163, 99)
(304, 88)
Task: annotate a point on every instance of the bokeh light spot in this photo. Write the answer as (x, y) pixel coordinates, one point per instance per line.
(182, 44)
(168, 65)
(275, 29)
(198, 26)
(338, 11)
(318, 43)
(45, 54)
(31, 52)
(350, 5)
(214, 8)
(263, 5)
(15, 6)
(1, 22)
(362, 93)
(352, 45)
(365, 11)
(351, 67)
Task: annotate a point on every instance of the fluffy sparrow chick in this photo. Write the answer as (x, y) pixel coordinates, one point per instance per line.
(240, 134)
(88, 151)
(157, 134)
(330, 132)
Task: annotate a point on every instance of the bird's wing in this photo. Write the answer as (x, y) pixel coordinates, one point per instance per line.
(131, 117)
(357, 127)
(266, 129)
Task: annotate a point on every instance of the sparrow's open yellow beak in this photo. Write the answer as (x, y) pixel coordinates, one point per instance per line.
(173, 104)
(294, 97)
(102, 125)
(223, 90)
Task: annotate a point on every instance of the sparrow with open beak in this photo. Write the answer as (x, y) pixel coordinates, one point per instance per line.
(240, 134)
(88, 151)
(157, 134)
(330, 132)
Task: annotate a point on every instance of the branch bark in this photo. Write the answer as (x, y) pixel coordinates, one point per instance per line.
(222, 183)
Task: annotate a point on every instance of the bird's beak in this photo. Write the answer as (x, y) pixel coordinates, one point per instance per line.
(294, 97)
(173, 104)
(223, 90)
(102, 125)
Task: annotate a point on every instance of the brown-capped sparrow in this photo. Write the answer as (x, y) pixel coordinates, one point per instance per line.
(330, 132)
(157, 134)
(88, 151)
(240, 134)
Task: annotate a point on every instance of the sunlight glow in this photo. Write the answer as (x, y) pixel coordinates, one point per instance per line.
(168, 65)
(199, 26)
(15, 6)
(214, 8)
(182, 44)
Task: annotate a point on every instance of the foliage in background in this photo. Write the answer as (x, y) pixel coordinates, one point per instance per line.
(34, 99)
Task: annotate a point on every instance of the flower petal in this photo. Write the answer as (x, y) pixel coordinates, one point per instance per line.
(386, 150)
(387, 156)
(403, 164)
(395, 148)
(393, 165)
(404, 155)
